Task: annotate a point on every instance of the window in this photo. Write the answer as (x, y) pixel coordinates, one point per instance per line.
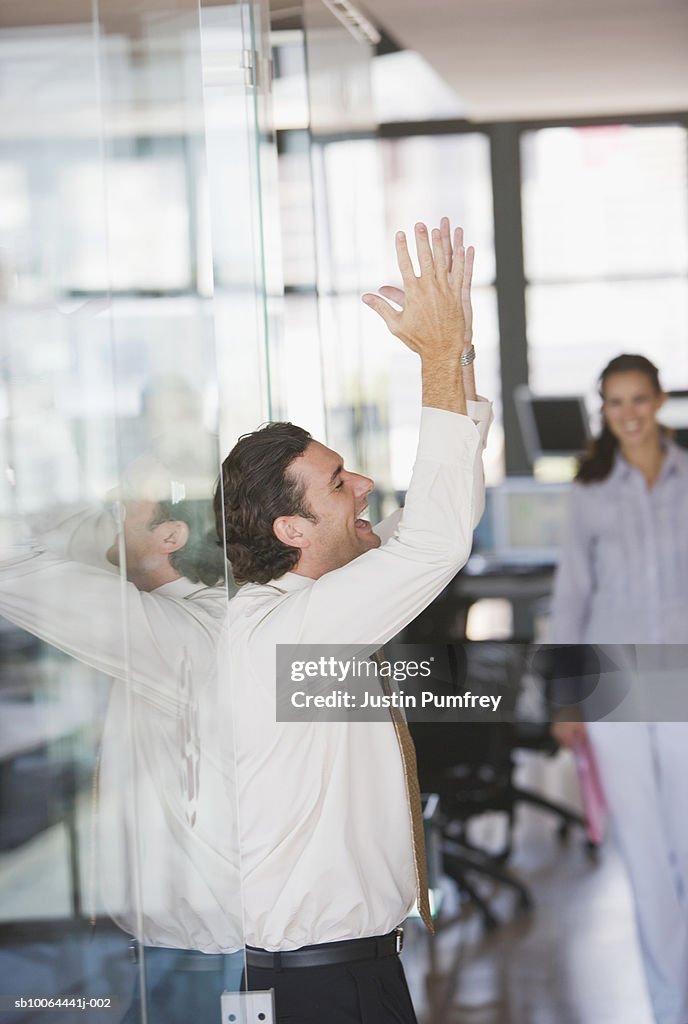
(605, 211)
(425, 178)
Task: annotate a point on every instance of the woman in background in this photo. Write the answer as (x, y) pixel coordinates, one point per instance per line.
(623, 579)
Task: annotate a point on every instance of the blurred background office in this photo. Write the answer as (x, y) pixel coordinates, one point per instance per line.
(193, 196)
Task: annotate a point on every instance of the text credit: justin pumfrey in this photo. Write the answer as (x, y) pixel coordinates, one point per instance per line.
(378, 695)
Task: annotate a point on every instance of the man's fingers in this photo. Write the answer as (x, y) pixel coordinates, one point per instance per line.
(467, 279)
(408, 274)
(468, 270)
(438, 252)
(445, 233)
(466, 294)
(458, 262)
(425, 260)
(382, 308)
(393, 294)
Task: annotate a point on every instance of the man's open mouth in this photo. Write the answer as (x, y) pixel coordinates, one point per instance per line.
(361, 523)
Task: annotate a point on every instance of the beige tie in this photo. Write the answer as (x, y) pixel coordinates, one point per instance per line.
(408, 760)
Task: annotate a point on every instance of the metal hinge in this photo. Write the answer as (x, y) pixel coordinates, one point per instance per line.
(248, 63)
(248, 1008)
(256, 71)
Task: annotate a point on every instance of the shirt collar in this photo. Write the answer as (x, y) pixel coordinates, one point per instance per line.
(672, 462)
(291, 581)
(180, 588)
(622, 470)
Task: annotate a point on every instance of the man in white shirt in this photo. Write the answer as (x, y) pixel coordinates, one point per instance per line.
(327, 858)
(166, 862)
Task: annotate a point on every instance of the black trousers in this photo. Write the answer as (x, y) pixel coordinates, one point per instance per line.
(364, 992)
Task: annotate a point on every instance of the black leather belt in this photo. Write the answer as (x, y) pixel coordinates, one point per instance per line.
(329, 953)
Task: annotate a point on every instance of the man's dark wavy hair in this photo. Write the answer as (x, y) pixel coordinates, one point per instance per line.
(199, 560)
(255, 489)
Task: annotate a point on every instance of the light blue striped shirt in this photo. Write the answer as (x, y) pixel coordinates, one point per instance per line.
(623, 574)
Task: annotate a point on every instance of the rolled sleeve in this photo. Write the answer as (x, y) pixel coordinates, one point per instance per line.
(482, 414)
(444, 436)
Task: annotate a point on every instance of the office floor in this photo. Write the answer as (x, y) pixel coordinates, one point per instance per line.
(572, 961)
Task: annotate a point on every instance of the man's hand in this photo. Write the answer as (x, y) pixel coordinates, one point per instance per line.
(398, 296)
(432, 319)
(568, 734)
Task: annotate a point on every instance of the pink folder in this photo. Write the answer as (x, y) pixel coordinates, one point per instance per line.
(594, 803)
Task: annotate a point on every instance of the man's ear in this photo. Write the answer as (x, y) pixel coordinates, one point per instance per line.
(173, 535)
(289, 529)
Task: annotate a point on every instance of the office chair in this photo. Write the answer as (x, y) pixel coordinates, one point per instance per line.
(469, 765)
(445, 618)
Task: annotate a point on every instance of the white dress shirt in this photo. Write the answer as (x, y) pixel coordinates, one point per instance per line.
(325, 837)
(167, 863)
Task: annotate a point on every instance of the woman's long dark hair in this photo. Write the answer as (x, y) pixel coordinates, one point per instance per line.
(597, 462)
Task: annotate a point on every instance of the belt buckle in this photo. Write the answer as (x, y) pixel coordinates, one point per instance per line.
(399, 937)
(133, 951)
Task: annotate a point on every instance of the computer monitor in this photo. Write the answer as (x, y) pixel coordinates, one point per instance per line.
(551, 424)
(528, 519)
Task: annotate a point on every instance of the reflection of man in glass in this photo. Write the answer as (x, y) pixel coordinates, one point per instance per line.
(166, 862)
(331, 856)
(164, 541)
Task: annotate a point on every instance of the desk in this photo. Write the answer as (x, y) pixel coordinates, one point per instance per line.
(26, 725)
(35, 790)
(521, 584)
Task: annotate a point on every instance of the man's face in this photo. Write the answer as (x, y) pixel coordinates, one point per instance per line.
(337, 499)
(141, 540)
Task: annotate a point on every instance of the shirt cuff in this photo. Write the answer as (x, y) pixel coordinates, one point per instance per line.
(480, 411)
(446, 436)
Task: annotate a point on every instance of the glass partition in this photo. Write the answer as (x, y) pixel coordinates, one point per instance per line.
(166, 285)
(59, 458)
(133, 335)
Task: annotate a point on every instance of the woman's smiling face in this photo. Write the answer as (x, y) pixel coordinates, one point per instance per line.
(630, 404)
